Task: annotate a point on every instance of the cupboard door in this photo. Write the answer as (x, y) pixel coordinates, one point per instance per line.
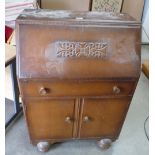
(102, 117)
(50, 118)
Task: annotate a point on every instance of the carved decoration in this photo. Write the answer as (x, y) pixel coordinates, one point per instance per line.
(82, 49)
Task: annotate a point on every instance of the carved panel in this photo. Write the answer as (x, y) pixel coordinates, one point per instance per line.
(82, 49)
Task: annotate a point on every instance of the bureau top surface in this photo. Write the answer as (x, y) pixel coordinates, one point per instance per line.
(76, 16)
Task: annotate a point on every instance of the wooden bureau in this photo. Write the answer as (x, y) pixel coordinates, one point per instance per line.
(77, 73)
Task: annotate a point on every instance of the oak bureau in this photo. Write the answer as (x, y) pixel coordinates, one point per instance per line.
(77, 73)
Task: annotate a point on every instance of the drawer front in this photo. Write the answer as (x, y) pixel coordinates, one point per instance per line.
(55, 89)
(50, 118)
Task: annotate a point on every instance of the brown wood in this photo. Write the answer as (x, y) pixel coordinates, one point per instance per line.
(107, 33)
(104, 116)
(77, 72)
(47, 118)
(77, 88)
(145, 68)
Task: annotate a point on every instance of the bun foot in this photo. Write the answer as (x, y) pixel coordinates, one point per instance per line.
(43, 146)
(104, 143)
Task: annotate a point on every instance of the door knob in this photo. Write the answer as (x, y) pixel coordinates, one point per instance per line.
(86, 119)
(43, 91)
(68, 119)
(116, 90)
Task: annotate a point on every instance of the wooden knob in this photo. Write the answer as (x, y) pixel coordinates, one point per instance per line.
(43, 91)
(86, 119)
(68, 119)
(116, 90)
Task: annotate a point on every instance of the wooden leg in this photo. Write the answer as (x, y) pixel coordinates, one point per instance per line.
(43, 146)
(104, 143)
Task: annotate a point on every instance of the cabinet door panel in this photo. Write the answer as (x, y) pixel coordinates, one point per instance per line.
(102, 117)
(46, 118)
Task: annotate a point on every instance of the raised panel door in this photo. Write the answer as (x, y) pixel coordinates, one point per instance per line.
(50, 118)
(102, 117)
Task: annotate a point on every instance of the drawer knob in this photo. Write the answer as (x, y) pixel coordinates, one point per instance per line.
(86, 119)
(68, 119)
(116, 90)
(43, 91)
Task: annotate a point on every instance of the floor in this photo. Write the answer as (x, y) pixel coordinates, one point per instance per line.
(9, 109)
(132, 140)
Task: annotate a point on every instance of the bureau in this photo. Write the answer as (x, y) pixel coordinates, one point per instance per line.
(77, 73)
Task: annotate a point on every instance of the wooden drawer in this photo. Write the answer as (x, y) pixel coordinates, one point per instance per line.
(78, 88)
